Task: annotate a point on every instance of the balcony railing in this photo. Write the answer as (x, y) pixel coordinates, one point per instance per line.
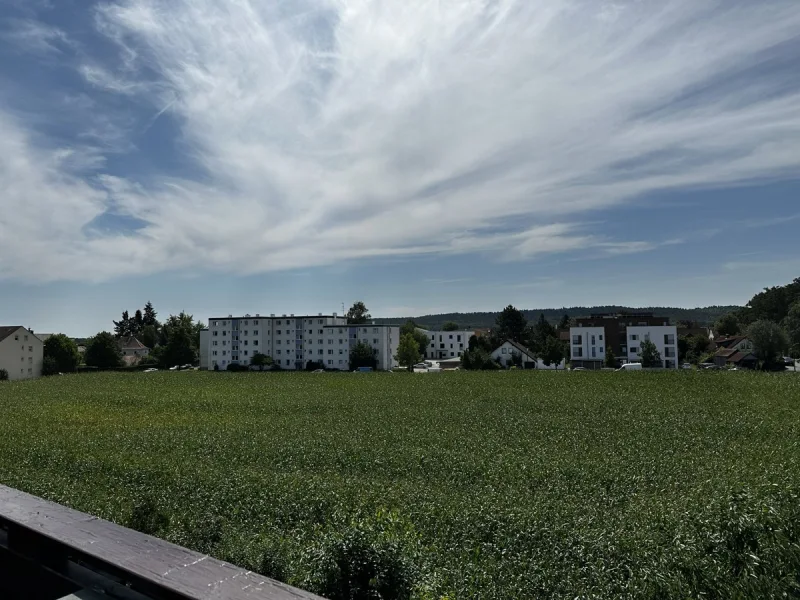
(49, 551)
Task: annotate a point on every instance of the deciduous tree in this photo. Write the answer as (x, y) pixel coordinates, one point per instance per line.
(408, 353)
(511, 324)
(362, 355)
(792, 326)
(423, 341)
(450, 326)
(769, 340)
(63, 353)
(649, 354)
(358, 314)
(103, 352)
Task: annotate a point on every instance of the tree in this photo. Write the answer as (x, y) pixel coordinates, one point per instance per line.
(137, 323)
(649, 355)
(769, 340)
(423, 341)
(698, 346)
(553, 351)
(450, 326)
(261, 360)
(611, 360)
(149, 316)
(792, 325)
(362, 355)
(62, 352)
(122, 328)
(149, 336)
(358, 314)
(49, 366)
(478, 359)
(480, 342)
(511, 324)
(3, 375)
(180, 337)
(542, 332)
(565, 322)
(727, 325)
(408, 353)
(103, 352)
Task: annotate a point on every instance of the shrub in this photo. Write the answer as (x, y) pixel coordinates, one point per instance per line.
(49, 366)
(3, 375)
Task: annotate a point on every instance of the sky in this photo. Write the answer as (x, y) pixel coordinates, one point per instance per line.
(294, 156)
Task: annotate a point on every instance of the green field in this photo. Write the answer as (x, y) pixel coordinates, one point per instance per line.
(459, 485)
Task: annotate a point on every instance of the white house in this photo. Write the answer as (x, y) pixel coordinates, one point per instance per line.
(204, 348)
(447, 344)
(665, 339)
(295, 340)
(132, 350)
(506, 352)
(21, 353)
(589, 344)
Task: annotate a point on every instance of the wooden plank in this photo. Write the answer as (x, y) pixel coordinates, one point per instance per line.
(148, 560)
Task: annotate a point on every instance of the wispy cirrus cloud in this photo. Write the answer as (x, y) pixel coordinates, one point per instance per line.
(29, 35)
(329, 130)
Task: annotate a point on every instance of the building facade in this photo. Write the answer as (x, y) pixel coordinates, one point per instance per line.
(132, 350)
(295, 340)
(21, 353)
(447, 344)
(592, 337)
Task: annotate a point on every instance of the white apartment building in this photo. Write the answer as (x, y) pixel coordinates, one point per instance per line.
(447, 344)
(21, 353)
(665, 339)
(294, 340)
(587, 344)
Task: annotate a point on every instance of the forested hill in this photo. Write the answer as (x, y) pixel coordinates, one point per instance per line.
(703, 316)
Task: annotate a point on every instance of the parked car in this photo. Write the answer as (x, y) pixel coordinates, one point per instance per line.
(150, 370)
(580, 369)
(686, 366)
(318, 371)
(788, 361)
(420, 366)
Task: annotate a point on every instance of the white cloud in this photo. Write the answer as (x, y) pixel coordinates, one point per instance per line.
(28, 35)
(331, 130)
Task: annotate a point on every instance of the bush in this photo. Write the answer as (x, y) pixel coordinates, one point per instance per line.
(3, 375)
(49, 366)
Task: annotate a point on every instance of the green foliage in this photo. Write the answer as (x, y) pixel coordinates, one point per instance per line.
(3, 375)
(478, 359)
(410, 327)
(450, 326)
(362, 355)
(565, 322)
(149, 336)
(553, 352)
(611, 360)
(49, 366)
(60, 355)
(649, 354)
(769, 340)
(510, 325)
(261, 360)
(727, 326)
(358, 314)
(103, 352)
(149, 317)
(506, 485)
(772, 304)
(408, 353)
(480, 342)
(792, 325)
(180, 338)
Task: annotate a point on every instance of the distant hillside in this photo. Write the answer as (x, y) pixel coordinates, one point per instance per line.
(703, 316)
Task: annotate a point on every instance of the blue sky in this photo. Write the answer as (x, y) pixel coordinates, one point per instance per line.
(273, 156)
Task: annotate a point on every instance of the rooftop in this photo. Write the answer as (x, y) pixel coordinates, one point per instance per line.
(7, 330)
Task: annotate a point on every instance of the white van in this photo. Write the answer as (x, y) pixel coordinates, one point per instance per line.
(630, 367)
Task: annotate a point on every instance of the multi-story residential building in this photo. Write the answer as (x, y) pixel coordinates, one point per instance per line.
(295, 340)
(447, 344)
(21, 353)
(592, 337)
(204, 348)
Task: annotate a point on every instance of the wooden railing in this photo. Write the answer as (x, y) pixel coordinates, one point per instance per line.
(49, 551)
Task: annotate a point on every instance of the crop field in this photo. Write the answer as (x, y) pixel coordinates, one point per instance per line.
(458, 485)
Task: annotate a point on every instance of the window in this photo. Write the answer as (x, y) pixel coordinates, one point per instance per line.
(577, 352)
(321, 331)
(245, 352)
(577, 340)
(255, 331)
(364, 330)
(341, 361)
(634, 350)
(319, 321)
(601, 349)
(330, 362)
(330, 351)
(224, 342)
(341, 351)
(224, 353)
(341, 341)
(287, 361)
(669, 340)
(330, 341)
(320, 351)
(278, 342)
(216, 332)
(600, 337)
(224, 333)
(278, 322)
(278, 332)
(458, 338)
(593, 340)
(504, 351)
(374, 330)
(245, 342)
(278, 351)
(340, 331)
(319, 342)
(451, 336)
(461, 345)
(452, 354)
(441, 345)
(247, 322)
(214, 353)
(16, 338)
(634, 337)
(594, 352)
(245, 331)
(375, 342)
(255, 342)
(30, 371)
(669, 352)
(26, 338)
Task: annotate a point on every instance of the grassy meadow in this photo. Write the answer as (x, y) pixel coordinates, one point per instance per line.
(456, 485)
